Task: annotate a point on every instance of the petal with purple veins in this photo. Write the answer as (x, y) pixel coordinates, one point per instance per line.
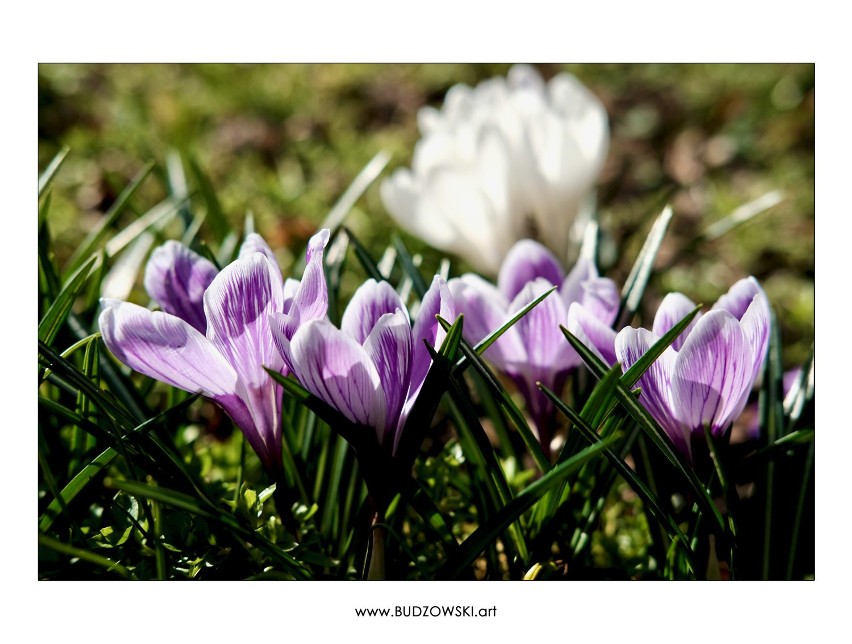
(437, 301)
(371, 301)
(308, 298)
(238, 304)
(712, 373)
(673, 308)
(738, 298)
(655, 384)
(526, 261)
(389, 347)
(176, 277)
(254, 243)
(166, 348)
(336, 368)
(592, 332)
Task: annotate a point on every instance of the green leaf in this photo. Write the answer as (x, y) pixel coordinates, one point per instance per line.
(58, 312)
(364, 257)
(359, 185)
(49, 173)
(86, 555)
(215, 215)
(477, 542)
(649, 499)
(96, 237)
(411, 270)
(637, 280)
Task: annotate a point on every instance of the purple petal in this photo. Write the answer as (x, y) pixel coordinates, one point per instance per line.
(599, 336)
(655, 384)
(254, 243)
(437, 301)
(389, 346)
(546, 347)
(755, 324)
(165, 348)
(371, 301)
(309, 300)
(672, 310)
(526, 261)
(601, 298)
(486, 310)
(712, 373)
(176, 278)
(336, 368)
(572, 287)
(738, 298)
(238, 304)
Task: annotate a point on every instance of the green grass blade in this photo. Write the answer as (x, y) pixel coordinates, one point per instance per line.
(637, 280)
(86, 555)
(410, 268)
(369, 173)
(649, 499)
(58, 312)
(96, 237)
(488, 531)
(46, 177)
(364, 256)
(215, 215)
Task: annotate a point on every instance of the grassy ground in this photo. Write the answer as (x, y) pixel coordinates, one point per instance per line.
(284, 141)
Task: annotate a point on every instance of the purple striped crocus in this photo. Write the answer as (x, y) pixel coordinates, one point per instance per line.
(372, 368)
(534, 349)
(213, 337)
(704, 378)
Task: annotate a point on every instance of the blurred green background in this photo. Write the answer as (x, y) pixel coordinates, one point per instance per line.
(284, 141)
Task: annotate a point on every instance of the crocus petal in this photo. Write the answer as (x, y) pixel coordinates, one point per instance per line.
(371, 301)
(389, 346)
(755, 324)
(335, 367)
(601, 298)
(572, 287)
(655, 384)
(254, 243)
(738, 298)
(309, 300)
(437, 301)
(238, 304)
(711, 373)
(539, 328)
(485, 310)
(595, 334)
(165, 348)
(526, 261)
(176, 278)
(672, 310)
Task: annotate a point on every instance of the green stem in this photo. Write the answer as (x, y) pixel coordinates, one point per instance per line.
(376, 570)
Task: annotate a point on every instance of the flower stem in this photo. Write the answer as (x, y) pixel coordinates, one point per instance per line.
(376, 569)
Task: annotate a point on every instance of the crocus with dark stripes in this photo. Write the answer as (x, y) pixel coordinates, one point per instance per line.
(704, 378)
(372, 368)
(215, 339)
(534, 349)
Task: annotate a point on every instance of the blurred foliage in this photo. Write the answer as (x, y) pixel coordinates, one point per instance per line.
(284, 141)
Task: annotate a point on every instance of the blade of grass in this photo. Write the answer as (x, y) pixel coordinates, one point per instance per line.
(478, 541)
(46, 177)
(94, 239)
(58, 312)
(369, 173)
(215, 215)
(86, 555)
(637, 280)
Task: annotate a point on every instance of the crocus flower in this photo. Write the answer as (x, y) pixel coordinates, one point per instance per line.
(508, 159)
(534, 349)
(225, 363)
(371, 368)
(705, 376)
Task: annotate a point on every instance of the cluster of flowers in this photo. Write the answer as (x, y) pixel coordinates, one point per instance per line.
(498, 162)
(219, 331)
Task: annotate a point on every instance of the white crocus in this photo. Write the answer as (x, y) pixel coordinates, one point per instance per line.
(511, 158)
